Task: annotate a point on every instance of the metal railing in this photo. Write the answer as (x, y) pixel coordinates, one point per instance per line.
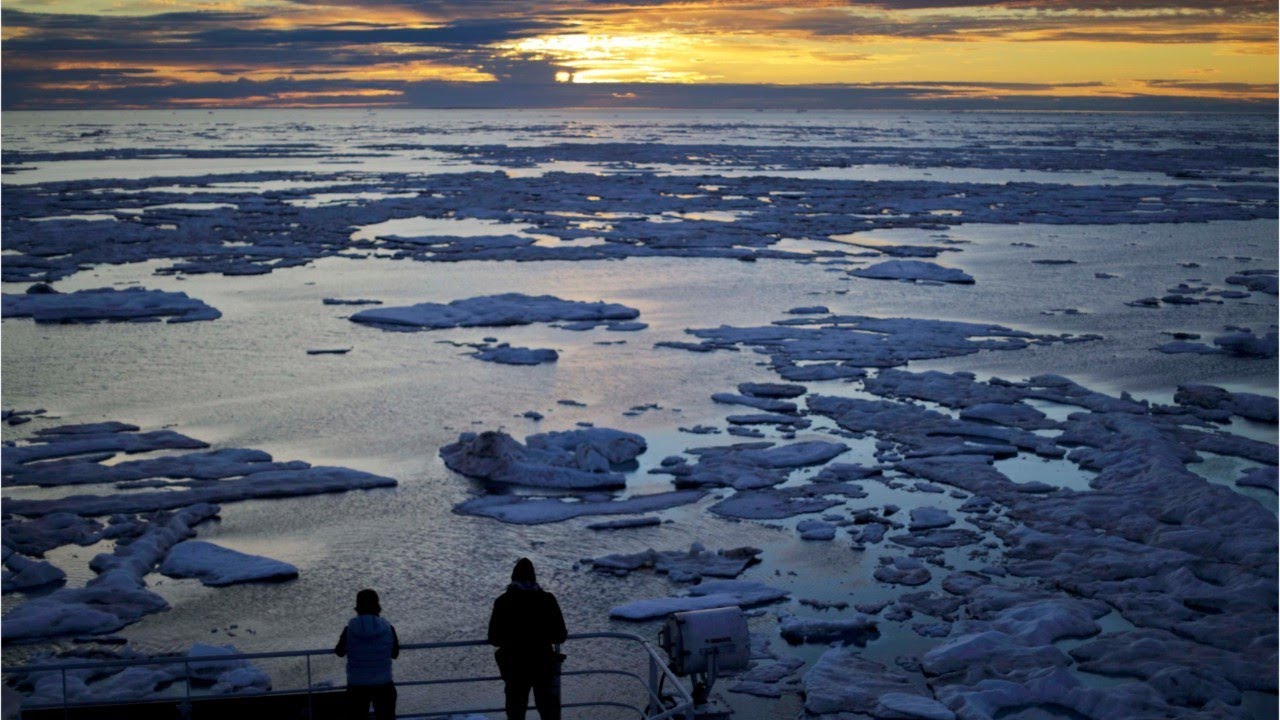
(678, 704)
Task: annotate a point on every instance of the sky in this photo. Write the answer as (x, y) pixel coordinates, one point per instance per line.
(983, 54)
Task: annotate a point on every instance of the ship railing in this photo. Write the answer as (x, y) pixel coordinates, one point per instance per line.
(674, 703)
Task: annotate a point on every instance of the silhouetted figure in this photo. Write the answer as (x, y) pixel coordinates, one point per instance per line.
(526, 624)
(369, 644)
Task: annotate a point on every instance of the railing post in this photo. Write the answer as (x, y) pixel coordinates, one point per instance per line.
(187, 710)
(655, 701)
(310, 711)
(66, 711)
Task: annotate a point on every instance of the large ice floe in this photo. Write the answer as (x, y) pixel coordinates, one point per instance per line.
(216, 565)
(46, 305)
(844, 346)
(913, 270)
(148, 527)
(582, 459)
(492, 311)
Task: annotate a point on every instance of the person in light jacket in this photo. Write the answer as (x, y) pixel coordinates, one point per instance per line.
(369, 644)
(526, 625)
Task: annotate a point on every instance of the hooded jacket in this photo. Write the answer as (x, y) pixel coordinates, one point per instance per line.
(526, 620)
(369, 644)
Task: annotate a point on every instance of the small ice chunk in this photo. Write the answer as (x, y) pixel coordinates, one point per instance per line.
(902, 571)
(626, 523)
(771, 390)
(815, 530)
(507, 355)
(857, 630)
(1263, 477)
(927, 518)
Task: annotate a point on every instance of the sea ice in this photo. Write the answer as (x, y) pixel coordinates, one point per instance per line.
(212, 465)
(769, 679)
(492, 311)
(774, 504)
(625, 523)
(772, 390)
(713, 594)
(841, 346)
(22, 573)
(268, 484)
(1247, 405)
(856, 630)
(508, 355)
(927, 518)
(215, 565)
(130, 304)
(575, 459)
(117, 596)
(902, 571)
(1258, 280)
(1264, 477)
(815, 530)
(34, 537)
(523, 510)
(681, 566)
(913, 270)
(760, 403)
(842, 681)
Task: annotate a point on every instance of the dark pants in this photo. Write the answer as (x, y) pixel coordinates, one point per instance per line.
(540, 673)
(383, 698)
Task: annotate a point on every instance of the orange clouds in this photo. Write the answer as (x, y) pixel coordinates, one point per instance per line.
(1066, 48)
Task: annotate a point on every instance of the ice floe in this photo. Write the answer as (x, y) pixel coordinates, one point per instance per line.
(525, 510)
(492, 311)
(681, 566)
(855, 630)
(117, 596)
(824, 348)
(712, 594)
(842, 681)
(216, 565)
(913, 270)
(507, 355)
(575, 459)
(107, 304)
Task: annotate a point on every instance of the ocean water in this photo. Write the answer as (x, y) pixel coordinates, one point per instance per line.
(387, 406)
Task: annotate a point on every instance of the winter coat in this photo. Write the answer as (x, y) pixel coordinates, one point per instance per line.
(526, 622)
(369, 644)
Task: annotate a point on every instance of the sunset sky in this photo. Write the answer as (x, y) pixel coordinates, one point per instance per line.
(1073, 54)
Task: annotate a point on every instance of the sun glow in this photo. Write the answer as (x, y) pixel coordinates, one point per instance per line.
(602, 58)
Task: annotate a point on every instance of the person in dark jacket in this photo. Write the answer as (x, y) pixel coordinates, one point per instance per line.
(369, 644)
(526, 625)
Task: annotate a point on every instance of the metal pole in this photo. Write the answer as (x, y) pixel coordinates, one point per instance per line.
(187, 709)
(310, 712)
(66, 711)
(655, 704)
